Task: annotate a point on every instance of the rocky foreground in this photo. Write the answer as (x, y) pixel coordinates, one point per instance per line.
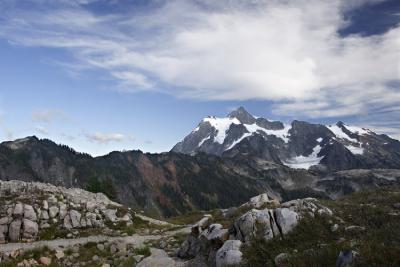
(46, 225)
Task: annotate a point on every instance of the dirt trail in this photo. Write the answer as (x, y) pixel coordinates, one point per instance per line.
(136, 240)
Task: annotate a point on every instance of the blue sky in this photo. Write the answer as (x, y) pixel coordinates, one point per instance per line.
(113, 75)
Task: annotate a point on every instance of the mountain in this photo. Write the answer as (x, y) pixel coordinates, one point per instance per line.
(162, 185)
(300, 144)
(222, 163)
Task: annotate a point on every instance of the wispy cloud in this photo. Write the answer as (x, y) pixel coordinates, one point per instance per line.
(289, 52)
(105, 138)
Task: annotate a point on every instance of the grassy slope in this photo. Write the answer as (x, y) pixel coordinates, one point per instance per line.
(313, 243)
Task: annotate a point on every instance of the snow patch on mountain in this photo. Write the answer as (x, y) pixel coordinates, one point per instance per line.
(205, 139)
(355, 150)
(305, 162)
(338, 132)
(357, 130)
(282, 134)
(221, 125)
(239, 140)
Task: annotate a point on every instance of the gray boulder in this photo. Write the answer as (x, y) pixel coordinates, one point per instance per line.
(75, 218)
(286, 219)
(30, 229)
(18, 210)
(53, 211)
(14, 230)
(63, 211)
(29, 213)
(67, 222)
(229, 254)
(110, 215)
(255, 223)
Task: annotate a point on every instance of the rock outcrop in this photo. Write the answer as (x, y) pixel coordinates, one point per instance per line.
(30, 208)
(213, 245)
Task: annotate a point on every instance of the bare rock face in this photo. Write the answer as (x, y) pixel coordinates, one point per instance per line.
(30, 229)
(229, 254)
(14, 230)
(75, 218)
(258, 201)
(286, 219)
(53, 211)
(255, 223)
(29, 213)
(18, 210)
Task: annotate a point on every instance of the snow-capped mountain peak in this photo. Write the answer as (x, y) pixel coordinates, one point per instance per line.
(297, 145)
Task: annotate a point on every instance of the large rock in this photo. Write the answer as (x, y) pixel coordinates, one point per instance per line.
(158, 258)
(29, 213)
(258, 201)
(44, 215)
(75, 218)
(67, 222)
(53, 211)
(191, 246)
(215, 232)
(229, 254)
(18, 210)
(255, 223)
(63, 211)
(110, 215)
(31, 229)
(14, 230)
(286, 219)
(3, 233)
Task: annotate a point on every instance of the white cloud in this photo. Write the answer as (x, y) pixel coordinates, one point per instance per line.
(104, 138)
(285, 51)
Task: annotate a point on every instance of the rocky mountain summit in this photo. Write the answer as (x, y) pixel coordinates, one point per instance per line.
(297, 145)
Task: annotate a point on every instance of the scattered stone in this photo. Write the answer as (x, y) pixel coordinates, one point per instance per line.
(45, 261)
(59, 254)
(15, 253)
(281, 259)
(95, 258)
(100, 247)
